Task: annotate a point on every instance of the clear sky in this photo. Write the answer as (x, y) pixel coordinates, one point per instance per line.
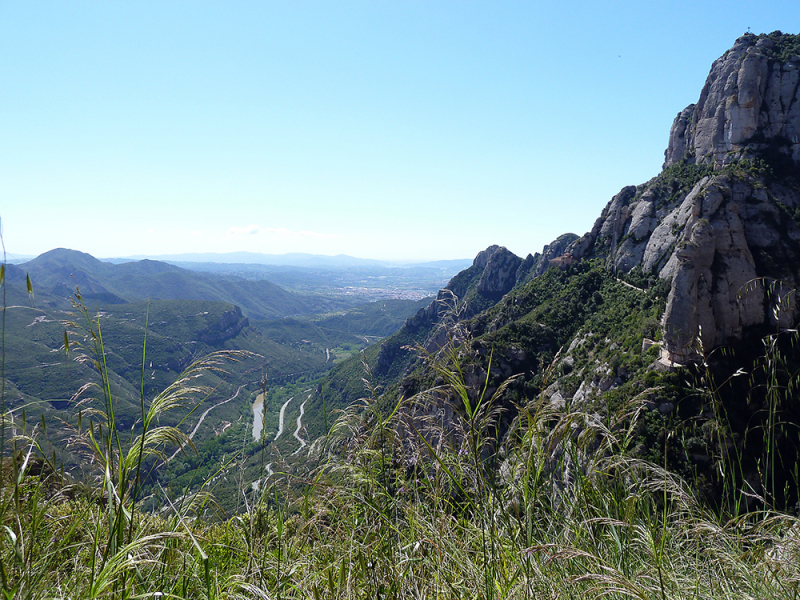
(393, 130)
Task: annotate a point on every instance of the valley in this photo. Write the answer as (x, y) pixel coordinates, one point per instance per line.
(143, 344)
(208, 410)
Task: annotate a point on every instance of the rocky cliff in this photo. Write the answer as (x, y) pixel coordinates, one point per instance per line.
(722, 221)
(750, 103)
(229, 324)
(705, 254)
(720, 224)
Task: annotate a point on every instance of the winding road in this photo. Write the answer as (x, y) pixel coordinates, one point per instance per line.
(256, 484)
(300, 426)
(258, 416)
(203, 416)
(280, 417)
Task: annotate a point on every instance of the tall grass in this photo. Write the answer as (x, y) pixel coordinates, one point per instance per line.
(412, 500)
(91, 539)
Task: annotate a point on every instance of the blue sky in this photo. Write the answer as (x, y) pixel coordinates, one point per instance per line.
(392, 130)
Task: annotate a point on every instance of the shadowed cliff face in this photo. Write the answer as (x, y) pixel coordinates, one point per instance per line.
(751, 101)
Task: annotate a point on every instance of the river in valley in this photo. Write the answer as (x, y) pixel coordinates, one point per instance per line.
(258, 416)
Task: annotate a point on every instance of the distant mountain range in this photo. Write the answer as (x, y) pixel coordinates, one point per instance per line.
(56, 275)
(261, 289)
(295, 259)
(156, 319)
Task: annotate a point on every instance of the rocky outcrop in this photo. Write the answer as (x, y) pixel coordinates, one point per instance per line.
(723, 231)
(750, 103)
(718, 244)
(728, 229)
(482, 258)
(608, 230)
(535, 265)
(494, 272)
(500, 273)
(230, 323)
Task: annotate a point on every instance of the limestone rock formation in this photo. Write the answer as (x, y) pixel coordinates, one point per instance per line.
(714, 239)
(500, 273)
(722, 221)
(535, 265)
(715, 244)
(713, 265)
(494, 272)
(720, 224)
(750, 102)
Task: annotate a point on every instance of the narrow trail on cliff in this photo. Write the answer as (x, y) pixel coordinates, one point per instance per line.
(633, 287)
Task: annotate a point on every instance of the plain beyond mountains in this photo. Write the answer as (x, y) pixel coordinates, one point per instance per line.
(294, 259)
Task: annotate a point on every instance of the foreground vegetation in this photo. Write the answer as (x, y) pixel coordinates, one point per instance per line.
(389, 505)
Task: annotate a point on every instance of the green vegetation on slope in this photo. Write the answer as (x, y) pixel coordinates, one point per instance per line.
(380, 514)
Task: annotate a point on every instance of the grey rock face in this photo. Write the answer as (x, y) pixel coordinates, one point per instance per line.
(498, 269)
(715, 244)
(726, 239)
(609, 229)
(500, 273)
(535, 265)
(678, 144)
(482, 258)
(750, 101)
(713, 265)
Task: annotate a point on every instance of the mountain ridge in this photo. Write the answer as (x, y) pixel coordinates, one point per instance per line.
(704, 255)
(291, 259)
(58, 272)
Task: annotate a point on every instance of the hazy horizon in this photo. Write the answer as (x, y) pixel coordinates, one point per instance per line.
(200, 257)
